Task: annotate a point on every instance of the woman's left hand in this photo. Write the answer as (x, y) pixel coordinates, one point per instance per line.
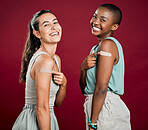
(59, 78)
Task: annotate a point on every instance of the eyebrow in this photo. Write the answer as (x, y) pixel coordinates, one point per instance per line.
(48, 21)
(103, 17)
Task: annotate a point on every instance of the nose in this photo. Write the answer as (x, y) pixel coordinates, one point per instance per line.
(53, 27)
(96, 21)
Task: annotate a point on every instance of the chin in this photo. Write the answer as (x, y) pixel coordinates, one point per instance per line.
(95, 33)
(56, 40)
(59, 39)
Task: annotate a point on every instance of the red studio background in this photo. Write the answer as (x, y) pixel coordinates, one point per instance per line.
(77, 40)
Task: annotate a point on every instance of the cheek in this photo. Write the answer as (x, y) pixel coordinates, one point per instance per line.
(91, 21)
(44, 30)
(59, 27)
(44, 34)
(104, 25)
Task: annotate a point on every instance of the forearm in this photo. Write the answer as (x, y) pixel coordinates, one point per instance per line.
(61, 95)
(89, 62)
(98, 101)
(82, 80)
(43, 117)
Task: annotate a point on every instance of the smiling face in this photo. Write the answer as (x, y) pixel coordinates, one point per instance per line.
(49, 29)
(102, 23)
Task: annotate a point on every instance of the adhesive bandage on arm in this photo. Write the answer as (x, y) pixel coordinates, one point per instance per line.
(45, 70)
(103, 53)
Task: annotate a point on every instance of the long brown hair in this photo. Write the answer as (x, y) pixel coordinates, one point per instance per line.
(32, 44)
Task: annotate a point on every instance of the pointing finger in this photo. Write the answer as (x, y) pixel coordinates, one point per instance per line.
(93, 52)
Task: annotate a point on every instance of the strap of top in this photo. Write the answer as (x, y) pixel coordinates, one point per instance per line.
(56, 60)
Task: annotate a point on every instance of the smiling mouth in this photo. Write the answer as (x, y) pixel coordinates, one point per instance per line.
(54, 33)
(96, 29)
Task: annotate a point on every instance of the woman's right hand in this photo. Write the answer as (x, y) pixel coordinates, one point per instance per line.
(89, 61)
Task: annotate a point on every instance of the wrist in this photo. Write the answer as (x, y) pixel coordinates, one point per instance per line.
(64, 84)
(95, 124)
(83, 69)
(92, 125)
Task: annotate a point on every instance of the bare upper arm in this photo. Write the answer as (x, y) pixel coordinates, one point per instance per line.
(105, 63)
(43, 79)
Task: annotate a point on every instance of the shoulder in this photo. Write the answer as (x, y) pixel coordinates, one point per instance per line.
(44, 61)
(107, 45)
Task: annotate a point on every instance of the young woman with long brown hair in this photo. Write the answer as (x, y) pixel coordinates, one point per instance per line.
(41, 71)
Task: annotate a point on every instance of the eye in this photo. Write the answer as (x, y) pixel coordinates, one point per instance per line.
(56, 22)
(102, 20)
(94, 16)
(45, 25)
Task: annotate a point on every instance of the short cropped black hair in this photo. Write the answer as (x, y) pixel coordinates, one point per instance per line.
(117, 12)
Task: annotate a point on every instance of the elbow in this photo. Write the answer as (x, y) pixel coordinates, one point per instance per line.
(42, 109)
(101, 89)
(59, 102)
(82, 91)
(82, 87)
(58, 105)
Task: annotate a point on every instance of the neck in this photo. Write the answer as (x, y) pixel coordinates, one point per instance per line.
(49, 48)
(100, 38)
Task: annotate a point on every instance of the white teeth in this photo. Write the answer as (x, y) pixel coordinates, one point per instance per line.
(54, 33)
(97, 29)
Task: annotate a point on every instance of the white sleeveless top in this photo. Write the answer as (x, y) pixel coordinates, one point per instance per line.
(30, 90)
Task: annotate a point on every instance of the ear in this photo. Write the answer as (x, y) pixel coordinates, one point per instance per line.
(114, 27)
(37, 34)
